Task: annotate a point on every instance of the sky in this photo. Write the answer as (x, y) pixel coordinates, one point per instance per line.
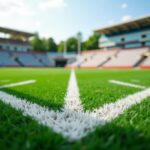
(61, 19)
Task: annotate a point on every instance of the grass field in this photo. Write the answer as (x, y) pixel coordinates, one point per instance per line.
(130, 130)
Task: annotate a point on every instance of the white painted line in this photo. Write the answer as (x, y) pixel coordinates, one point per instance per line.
(71, 124)
(72, 99)
(18, 84)
(127, 84)
(112, 110)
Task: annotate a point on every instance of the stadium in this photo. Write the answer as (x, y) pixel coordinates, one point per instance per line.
(93, 99)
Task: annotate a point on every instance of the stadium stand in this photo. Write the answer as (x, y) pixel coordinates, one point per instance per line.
(15, 40)
(28, 59)
(124, 45)
(80, 59)
(16, 50)
(43, 59)
(6, 59)
(130, 34)
(116, 58)
(146, 63)
(98, 59)
(126, 58)
(24, 59)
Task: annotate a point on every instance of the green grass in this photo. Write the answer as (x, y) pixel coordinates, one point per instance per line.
(49, 82)
(131, 130)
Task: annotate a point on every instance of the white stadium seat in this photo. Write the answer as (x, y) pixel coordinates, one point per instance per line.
(126, 58)
(98, 59)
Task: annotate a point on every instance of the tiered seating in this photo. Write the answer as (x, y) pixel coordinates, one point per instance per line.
(28, 59)
(6, 60)
(80, 59)
(126, 58)
(43, 58)
(98, 59)
(146, 62)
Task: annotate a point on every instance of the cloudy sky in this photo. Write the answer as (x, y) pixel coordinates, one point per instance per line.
(63, 18)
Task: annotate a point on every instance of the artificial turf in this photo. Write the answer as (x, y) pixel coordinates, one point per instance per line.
(131, 130)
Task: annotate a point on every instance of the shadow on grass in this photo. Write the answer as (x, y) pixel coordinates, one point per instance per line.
(43, 102)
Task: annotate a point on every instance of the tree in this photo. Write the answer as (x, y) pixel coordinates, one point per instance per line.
(92, 42)
(38, 44)
(61, 46)
(72, 44)
(52, 46)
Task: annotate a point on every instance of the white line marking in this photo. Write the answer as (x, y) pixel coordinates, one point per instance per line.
(112, 110)
(18, 84)
(72, 99)
(71, 124)
(127, 84)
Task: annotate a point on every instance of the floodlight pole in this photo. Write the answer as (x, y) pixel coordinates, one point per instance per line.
(65, 48)
(79, 36)
(79, 47)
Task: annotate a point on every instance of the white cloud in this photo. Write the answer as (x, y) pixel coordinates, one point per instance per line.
(15, 7)
(17, 14)
(124, 5)
(126, 18)
(47, 4)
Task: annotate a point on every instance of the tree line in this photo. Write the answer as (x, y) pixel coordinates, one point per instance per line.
(49, 44)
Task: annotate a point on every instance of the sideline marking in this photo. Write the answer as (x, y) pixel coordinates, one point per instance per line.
(18, 84)
(72, 99)
(127, 84)
(70, 122)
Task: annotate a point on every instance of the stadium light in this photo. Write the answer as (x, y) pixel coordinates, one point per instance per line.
(79, 37)
(65, 48)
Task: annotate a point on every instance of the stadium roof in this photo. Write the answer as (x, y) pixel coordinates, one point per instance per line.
(12, 31)
(126, 26)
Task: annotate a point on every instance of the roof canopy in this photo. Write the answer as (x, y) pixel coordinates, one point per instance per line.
(136, 24)
(16, 32)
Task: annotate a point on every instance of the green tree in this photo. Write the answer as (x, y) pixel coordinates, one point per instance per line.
(38, 44)
(72, 44)
(92, 42)
(52, 46)
(61, 46)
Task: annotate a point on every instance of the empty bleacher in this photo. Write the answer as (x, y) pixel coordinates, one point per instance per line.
(24, 59)
(126, 58)
(98, 59)
(146, 63)
(28, 59)
(6, 59)
(117, 58)
(80, 59)
(43, 59)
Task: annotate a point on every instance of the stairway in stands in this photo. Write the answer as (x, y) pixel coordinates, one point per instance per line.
(18, 61)
(143, 58)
